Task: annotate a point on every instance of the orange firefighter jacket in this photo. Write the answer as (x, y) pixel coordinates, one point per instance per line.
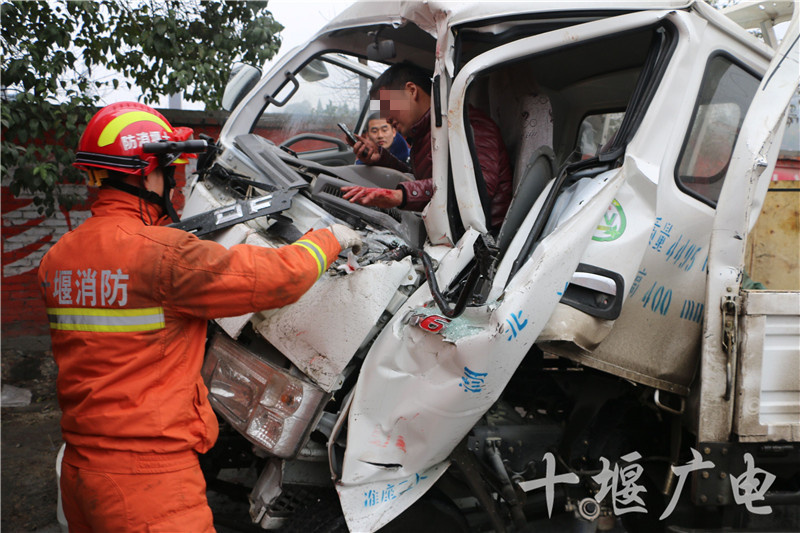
(128, 305)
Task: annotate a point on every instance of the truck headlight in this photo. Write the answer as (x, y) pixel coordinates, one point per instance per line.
(266, 404)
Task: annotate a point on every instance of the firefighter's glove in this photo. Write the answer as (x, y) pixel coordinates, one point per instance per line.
(347, 238)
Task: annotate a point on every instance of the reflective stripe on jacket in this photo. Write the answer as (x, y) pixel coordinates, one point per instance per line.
(128, 305)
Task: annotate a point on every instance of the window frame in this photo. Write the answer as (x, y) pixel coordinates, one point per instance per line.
(349, 61)
(683, 187)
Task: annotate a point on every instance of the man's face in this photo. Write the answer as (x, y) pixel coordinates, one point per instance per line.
(399, 109)
(380, 132)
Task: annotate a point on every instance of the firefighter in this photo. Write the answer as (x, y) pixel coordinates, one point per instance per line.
(128, 301)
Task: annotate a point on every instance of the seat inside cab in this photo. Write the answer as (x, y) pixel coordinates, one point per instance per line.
(558, 107)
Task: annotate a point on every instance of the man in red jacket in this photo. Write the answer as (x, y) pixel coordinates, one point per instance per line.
(128, 301)
(404, 93)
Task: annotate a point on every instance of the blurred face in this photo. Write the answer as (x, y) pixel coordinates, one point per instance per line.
(380, 132)
(402, 108)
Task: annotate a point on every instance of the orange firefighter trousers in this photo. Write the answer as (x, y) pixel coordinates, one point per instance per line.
(98, 501)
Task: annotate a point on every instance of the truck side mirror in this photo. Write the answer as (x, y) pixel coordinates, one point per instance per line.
(243, 78)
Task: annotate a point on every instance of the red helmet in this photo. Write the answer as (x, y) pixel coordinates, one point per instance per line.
(114, 137)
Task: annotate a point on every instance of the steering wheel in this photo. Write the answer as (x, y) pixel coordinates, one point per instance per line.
(340, 144)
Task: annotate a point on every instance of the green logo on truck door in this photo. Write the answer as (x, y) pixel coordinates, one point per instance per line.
(612, 226)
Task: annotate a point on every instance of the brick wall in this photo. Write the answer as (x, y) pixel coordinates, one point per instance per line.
(26, 236)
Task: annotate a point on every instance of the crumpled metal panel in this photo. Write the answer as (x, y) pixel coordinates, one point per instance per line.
(401, 492)
(321, 332)
(641, 254)
(421, 390)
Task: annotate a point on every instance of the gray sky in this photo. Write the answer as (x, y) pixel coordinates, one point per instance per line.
(303, 18)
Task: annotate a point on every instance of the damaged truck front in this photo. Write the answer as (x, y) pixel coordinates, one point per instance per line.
(586, 359)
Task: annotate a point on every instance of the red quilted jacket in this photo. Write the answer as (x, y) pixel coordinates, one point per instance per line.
(492, 157)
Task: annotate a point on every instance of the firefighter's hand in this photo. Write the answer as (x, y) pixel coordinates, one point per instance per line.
(367, 151)
(373, 197)
(347, 238)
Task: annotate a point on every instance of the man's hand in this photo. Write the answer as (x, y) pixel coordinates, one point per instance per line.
(367, 151)
(373, 197)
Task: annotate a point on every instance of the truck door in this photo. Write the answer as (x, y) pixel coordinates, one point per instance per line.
(739, 204)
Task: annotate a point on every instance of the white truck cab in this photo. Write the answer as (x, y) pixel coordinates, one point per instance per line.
(464, 379)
